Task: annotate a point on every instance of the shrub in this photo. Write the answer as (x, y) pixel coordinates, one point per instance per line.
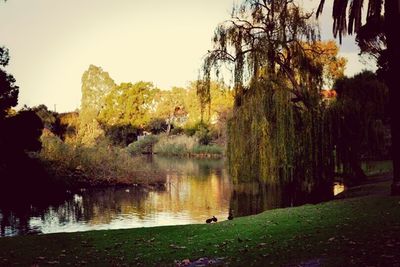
(100, 164)
(177, 130)
(175, 144)
(144, 145)
(156, 126)
(183, 145)
(201, 131)
(189, 131)
(203, 134)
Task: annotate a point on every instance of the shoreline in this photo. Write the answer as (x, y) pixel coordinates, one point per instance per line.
(346, 231)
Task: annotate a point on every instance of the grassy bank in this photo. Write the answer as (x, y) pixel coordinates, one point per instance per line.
(347, 232)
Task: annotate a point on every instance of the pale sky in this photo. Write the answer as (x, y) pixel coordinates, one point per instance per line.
(52, 42)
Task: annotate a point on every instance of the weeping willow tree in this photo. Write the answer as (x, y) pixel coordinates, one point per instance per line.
(278, 132)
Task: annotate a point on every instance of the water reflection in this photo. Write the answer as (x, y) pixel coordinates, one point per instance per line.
(338, 187)
(256, 197)
(253, 198)
(195, 189)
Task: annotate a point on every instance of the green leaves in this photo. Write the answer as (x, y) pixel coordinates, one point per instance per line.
(128, 104)
(96, 84)
(8, 90)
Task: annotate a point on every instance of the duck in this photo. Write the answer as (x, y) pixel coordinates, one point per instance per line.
(213, 219)
(230, 215)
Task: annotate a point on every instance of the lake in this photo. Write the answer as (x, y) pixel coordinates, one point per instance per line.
(195, 189)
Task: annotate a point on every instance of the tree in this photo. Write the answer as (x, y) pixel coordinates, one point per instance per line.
(325, 53)
(8, 89)
(127, 110)
(358, 117)
(49, 118)
(128, 104)
(391, 21)
(67, 125)
(20, 133)
(278, 132)
(181, 106)
(96, 84)
(170, 106)
(265, 39)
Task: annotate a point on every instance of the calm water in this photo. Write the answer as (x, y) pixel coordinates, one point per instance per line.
(196, 189)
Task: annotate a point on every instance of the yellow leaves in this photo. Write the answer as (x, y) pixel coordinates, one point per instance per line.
(128, 104)
(326, 54)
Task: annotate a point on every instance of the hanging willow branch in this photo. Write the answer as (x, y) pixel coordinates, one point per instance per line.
(265, 39)
(278, 130)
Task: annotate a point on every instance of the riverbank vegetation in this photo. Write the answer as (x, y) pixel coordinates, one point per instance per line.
(78, 166)
(181, 145)
(348, 232)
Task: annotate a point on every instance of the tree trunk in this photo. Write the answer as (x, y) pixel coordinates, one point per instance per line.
(392, 22)
(168, 127)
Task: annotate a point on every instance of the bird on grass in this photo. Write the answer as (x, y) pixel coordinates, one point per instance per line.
(230, 215)
(213, 219)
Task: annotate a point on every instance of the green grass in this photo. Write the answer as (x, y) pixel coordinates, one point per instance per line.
(356, 231)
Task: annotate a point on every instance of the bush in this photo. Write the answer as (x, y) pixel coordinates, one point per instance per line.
(201, 131)
(157, 126)
(175, 145)
(100, 164)
(177, 130)
(121, 135)
(143, 146)
(183, 145)
(190, 131)
(203, 134)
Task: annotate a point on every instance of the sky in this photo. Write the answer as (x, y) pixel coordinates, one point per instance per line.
(52, 42)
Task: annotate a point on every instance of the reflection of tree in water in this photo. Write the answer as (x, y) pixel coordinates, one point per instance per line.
(189, 166)
(101, 206)
(196, 189)
(253, 198)
(15, 219)
(192, 184)
(14, 222)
